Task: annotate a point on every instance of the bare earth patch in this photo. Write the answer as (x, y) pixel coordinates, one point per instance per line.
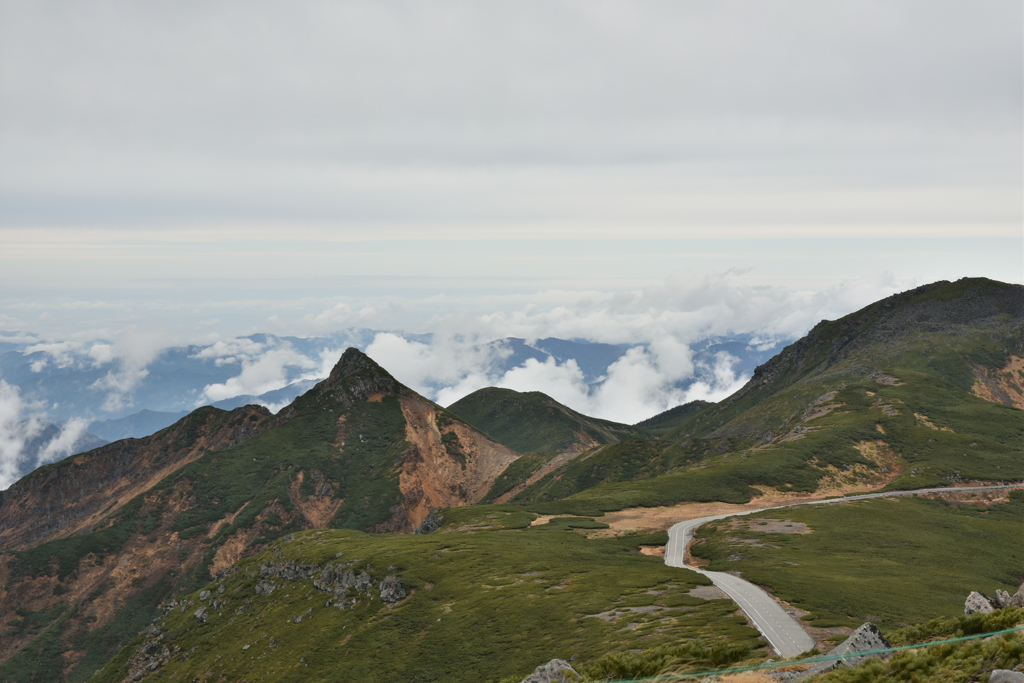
(431, 477)
(770, 526)
(709, 593)
(1005, 386)
(924, 421)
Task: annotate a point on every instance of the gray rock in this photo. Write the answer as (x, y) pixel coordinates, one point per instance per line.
(200, 615)
(363, 582)
(432, 522)
(555, 671)
(1006, 676)
(289, 570)
(1001, 600)
(391, 590)
(203, 595)
(978, 602)
(866, 638)
(1017, 600)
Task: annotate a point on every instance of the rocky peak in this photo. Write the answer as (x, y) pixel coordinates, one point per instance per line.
(356, 377)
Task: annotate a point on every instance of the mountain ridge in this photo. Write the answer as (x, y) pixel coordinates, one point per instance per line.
(358, 451)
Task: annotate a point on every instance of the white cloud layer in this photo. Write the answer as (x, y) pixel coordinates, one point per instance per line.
(131, 354)
(660, 321)
(62, 445)
(260, 374)
(15, 431)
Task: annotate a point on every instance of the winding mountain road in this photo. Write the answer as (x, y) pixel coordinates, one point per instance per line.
(781, 630)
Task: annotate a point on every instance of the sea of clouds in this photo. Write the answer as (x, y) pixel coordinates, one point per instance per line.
(454, 355)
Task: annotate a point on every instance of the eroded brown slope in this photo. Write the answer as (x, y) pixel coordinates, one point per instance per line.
(59, 500)
(448, 463)
(1004, 386)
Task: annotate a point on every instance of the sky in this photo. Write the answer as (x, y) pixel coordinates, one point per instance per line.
(628, 172)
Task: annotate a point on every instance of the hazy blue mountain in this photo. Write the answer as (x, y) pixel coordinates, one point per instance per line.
(276, 397)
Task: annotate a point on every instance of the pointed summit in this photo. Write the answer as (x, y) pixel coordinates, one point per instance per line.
(356, 377)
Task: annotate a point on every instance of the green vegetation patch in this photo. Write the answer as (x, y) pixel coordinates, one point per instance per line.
(959, 662)
(887, 560)
(531, 421)
(480, 606)
(667, 422)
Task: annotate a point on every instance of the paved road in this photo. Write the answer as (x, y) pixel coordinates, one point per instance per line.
(782, 631)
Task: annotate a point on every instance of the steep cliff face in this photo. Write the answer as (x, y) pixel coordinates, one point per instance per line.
(96, 542)
(61, 499)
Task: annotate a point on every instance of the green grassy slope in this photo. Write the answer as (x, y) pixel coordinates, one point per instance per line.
(532, 421)
(938, 329)
(986, 444)
(480, 606)
(879, 395)
(894, 561)
(669, 421)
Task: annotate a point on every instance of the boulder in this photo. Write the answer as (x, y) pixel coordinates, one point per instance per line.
(1017, 599)
(865, 639)
(555, 671)
(201, 615)
(978, 602)
(1006, 676)
(203, 595)
(1001, 600)
(391, 590)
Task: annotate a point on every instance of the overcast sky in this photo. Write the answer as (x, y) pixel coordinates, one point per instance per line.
(220, 168)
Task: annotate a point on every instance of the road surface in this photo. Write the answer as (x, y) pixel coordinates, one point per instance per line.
(782, 631)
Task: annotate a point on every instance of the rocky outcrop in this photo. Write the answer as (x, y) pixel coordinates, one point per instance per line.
(865, 639)
(391, 590)
(1005, 676)
(555, 671)
(355, 377)
(978, 603)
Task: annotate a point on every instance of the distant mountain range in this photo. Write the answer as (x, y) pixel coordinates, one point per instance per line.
(68, 383)
(918, 390)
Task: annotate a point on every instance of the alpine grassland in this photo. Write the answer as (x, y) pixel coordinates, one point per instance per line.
(892, 561)
(482, 605)
(221, 567)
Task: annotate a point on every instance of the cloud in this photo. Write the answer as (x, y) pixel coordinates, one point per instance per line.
(15, 431)
(229, 351)
(132, 353)
(263, 373)
(660, 322)
(449, 359)
(62, 354)
(62, 445)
